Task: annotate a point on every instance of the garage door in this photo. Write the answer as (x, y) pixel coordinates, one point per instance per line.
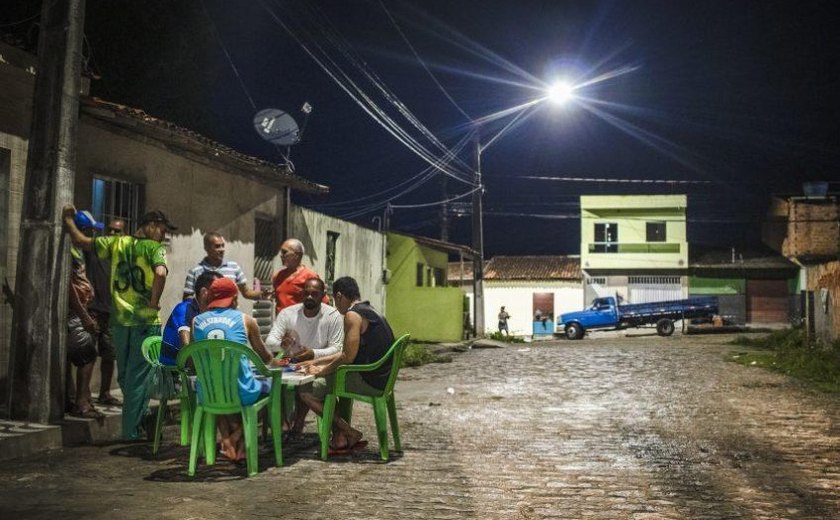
(767, 301)
(646, 289)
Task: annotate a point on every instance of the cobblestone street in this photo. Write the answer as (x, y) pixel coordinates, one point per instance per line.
(609, 427)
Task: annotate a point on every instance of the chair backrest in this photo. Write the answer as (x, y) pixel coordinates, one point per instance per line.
(397, 350)
(217, 364)
(151, 350)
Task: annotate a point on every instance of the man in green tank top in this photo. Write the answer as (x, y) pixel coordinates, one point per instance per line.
(138, 275)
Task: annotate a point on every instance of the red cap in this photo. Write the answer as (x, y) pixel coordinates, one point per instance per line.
(222, 293)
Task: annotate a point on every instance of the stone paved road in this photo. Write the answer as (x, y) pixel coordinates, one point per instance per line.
(606, 428)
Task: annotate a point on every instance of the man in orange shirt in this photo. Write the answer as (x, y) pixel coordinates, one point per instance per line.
(288, 281)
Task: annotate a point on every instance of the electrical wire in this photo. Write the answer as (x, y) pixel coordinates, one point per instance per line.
(342, 79)
(422, 62)
(215, 31)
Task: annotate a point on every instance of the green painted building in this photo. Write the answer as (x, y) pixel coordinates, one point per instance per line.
(418, 301)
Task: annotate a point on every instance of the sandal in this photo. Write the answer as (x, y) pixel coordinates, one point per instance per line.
(87, 413)
(109, 401)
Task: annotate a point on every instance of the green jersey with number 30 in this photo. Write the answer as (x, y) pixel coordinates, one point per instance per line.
(133, 262)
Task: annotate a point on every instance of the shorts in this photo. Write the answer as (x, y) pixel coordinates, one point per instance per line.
(80, 348)
(503, 325)
(321, 386)
(103, 340)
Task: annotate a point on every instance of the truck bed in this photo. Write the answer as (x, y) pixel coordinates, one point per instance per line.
(641, 313)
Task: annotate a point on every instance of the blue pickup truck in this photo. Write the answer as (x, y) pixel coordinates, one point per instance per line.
(605, 314)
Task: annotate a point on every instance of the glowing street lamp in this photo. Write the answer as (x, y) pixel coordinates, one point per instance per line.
(560, 93)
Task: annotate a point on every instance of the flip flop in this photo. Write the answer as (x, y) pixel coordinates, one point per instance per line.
(89, 413)
(109, 401)
(347, 450)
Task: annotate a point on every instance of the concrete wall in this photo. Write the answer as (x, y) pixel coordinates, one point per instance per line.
(359, 251)
(427, 313)
(517, 297)
(196, 197)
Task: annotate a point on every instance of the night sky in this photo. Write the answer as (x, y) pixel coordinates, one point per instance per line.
(742, 95)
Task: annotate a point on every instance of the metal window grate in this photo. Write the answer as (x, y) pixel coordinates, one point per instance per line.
(654, 280)
(115, 199)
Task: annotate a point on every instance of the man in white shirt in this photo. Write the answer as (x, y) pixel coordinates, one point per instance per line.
(307, 330)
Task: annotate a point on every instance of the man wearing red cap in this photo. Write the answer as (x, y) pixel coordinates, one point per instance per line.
(221, 320)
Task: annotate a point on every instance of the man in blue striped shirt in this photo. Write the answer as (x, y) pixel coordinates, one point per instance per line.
(214, 245)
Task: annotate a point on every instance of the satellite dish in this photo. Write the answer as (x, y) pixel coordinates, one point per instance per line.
(277, 127)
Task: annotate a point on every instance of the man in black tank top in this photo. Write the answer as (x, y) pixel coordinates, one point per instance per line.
(367, 337)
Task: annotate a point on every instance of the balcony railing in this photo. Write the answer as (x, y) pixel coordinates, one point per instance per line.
(634, 247)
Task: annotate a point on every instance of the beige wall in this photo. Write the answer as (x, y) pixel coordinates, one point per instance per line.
(196, 197)
(359, 251)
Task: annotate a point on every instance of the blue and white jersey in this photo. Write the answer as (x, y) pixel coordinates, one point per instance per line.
(229, 324)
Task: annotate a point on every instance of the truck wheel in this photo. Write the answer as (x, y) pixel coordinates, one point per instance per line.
(574, 331)
(665, 327)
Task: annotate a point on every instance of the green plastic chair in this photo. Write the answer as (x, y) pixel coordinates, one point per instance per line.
(383, 404)
(217, 365)
(151, 352)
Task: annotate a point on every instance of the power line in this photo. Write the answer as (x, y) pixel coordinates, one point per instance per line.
(215, 31)
(422, 62)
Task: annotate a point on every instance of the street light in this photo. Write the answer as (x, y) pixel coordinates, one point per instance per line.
(560, 93)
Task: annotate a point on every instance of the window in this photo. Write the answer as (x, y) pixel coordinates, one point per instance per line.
(332, 239)
(606, 238)
(114, 199)
(439, 277)
(421, 275)
(656, 232)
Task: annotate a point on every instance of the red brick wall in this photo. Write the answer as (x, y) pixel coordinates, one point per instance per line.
(826, 277)
(813, 228)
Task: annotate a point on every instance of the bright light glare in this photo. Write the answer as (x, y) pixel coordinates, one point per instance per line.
(561, 93)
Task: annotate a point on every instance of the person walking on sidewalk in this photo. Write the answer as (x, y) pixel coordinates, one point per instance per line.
(138, 276)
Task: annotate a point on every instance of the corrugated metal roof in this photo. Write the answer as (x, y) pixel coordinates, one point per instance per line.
(547, 267)
(127, 118)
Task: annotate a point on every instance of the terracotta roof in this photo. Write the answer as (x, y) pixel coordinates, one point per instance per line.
(454, 272)
(136, 122)
(746, 257)
(533, 268)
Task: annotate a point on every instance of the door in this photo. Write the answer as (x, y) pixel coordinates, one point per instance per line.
(647, 289)
(767, 301)
(543, 312)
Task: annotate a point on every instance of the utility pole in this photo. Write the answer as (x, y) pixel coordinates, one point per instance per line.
(40, 315)
(478, 242)
(444, 210)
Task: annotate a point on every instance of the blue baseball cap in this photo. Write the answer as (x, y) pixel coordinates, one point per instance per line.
(84, 220)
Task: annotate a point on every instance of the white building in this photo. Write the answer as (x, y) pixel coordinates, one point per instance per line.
(533, 289)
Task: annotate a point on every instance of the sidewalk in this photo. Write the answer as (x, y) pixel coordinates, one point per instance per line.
(18, 438)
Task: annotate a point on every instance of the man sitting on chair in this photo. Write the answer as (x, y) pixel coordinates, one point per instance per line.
(222, 321)
(367, 337)
(305, 331)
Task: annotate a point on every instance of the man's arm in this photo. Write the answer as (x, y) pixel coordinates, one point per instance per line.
(249, 293)
(78, 238)
(353, 322)
(335, 335)
(274, 340)
(157, 286)
(255, 339)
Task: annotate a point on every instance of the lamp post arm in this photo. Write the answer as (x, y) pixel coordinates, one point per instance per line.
(501, 132)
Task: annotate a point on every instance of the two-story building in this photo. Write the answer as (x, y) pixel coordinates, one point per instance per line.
(634, 247)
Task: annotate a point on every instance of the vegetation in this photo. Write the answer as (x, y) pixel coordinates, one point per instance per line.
(419, 354)
(788, 352)
(498, 336)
